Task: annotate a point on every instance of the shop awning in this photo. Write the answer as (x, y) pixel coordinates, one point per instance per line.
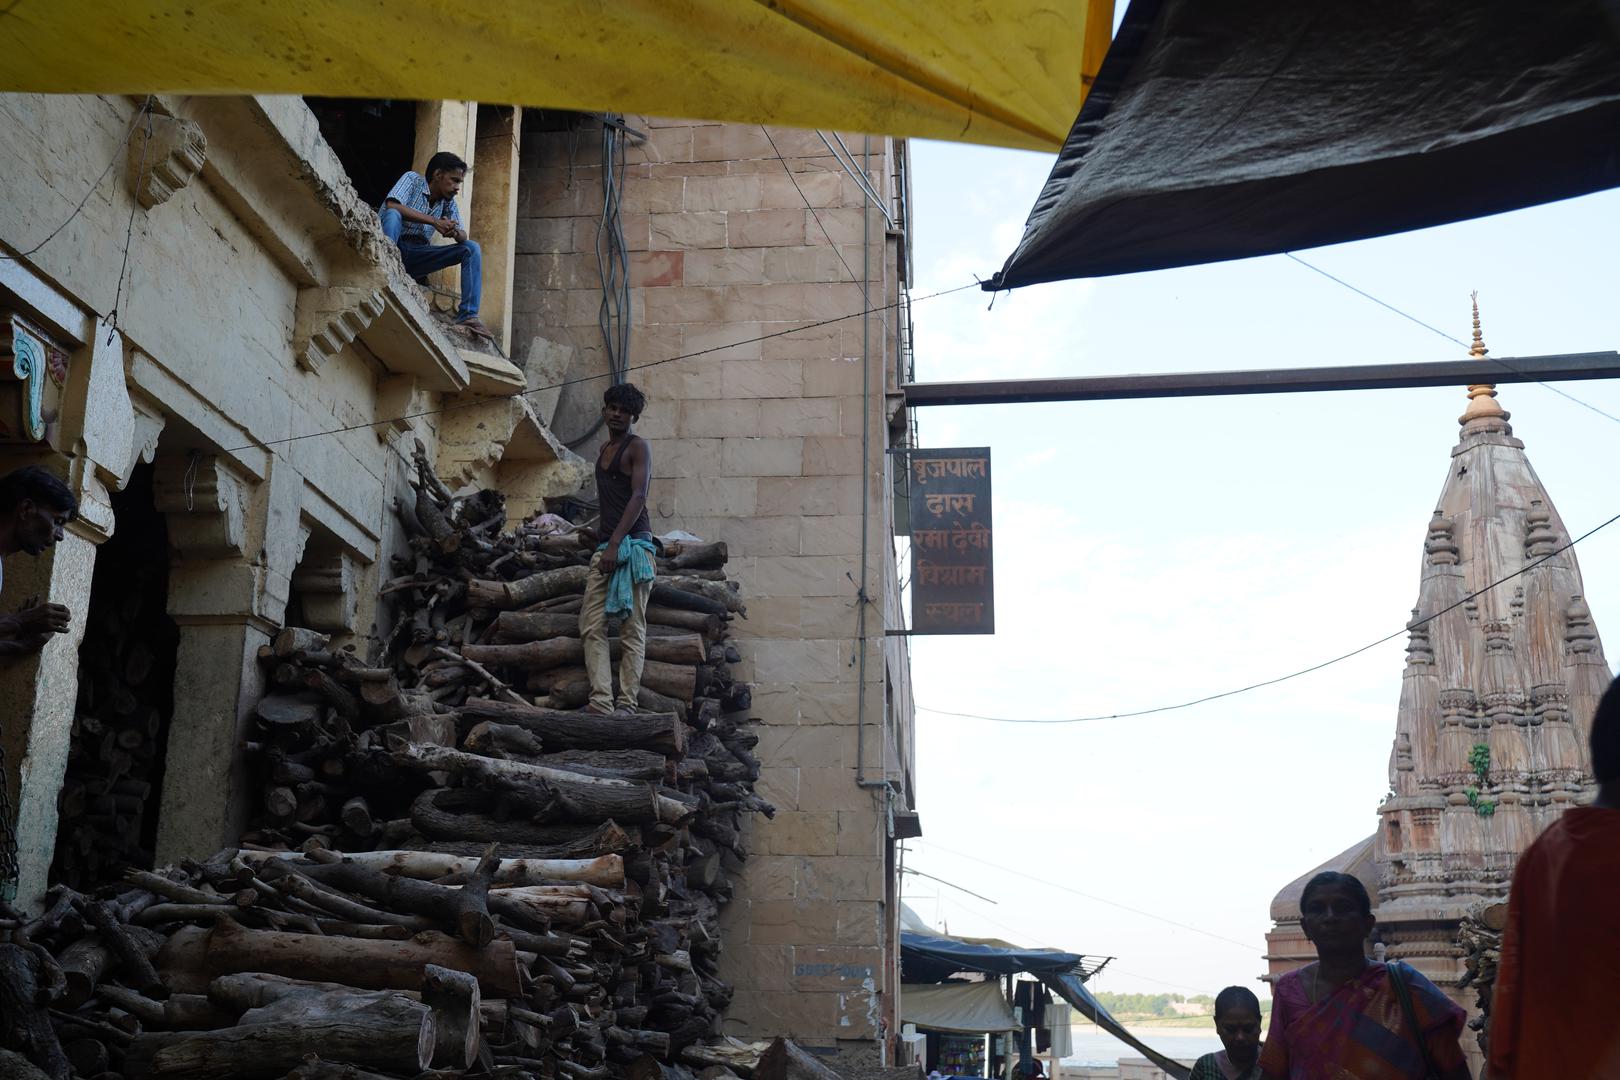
(1220, 131)
(930, 957)
(1001, 72)
(974, 1008)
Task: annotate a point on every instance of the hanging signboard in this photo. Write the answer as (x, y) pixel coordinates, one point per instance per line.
(952, 585)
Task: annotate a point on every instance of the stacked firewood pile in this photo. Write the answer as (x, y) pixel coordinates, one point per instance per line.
(1480, 937)
(119, 724)
(449, 870)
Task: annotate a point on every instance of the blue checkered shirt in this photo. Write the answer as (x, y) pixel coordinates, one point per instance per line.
(412, 190)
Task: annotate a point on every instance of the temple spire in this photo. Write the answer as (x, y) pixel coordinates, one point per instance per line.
(1478, 350)
(1483, 410)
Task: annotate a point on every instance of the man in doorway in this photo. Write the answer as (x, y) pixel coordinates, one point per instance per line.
(34, 509)
(622, 570)
(421, 204)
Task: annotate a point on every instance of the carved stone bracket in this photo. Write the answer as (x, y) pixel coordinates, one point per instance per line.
(163, 162)
(206, 504)
(325, 583)
(329, 319)
(33, 370)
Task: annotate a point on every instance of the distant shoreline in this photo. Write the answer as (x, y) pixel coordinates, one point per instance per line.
(1146, 1027)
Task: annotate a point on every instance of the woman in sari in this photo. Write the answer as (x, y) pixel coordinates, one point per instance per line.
(1345, 1017)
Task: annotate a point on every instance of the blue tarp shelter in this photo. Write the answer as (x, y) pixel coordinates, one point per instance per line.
(933, 957)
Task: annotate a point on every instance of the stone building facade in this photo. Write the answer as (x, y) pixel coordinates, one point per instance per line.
(256, 354)
(1492, 727)
(751, 256)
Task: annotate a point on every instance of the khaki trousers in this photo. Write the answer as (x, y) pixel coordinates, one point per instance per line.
(632, 642)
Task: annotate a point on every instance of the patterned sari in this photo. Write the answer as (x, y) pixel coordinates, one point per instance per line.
(1359, 1032)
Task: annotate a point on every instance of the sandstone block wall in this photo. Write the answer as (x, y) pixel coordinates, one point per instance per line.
(757, 441)
(256, 302)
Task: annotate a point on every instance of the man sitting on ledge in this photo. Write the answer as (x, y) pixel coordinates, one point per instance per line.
(421, 204)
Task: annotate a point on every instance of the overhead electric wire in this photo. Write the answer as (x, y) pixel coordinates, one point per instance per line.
(118, 155)
(484, 400)
(1090, 896)
(952, 884)
(1504, 365)
(1291, 675)
(854, 277)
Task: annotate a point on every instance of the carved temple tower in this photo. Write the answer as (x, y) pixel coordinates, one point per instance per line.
(1495, 707)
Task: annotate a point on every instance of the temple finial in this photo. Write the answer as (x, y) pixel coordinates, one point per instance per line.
(1484, 412)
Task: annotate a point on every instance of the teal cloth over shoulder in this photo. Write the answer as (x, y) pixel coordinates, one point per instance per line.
(635, 568)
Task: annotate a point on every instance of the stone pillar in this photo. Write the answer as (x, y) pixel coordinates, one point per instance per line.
(40, 692)
(495, 209)
(217, 680)
(234, 545)
(98, 425)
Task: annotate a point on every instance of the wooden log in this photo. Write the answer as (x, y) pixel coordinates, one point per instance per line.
(701, 622)
(604, 871)
(567, 651)
(509, 740)
(314, 1068)
(13, 1066)
(665, 595)
(453, 816)
(133, 958)
(83, 964)
(653, 1042)
(724, 593)
(88, 1055)
(388, 1031)
(356, 816)
(378, 965)
(471, 905)
(287, 880)
(586, 798)
(786, 1060)
(454, 999)
(505, 595)
(321, 683)
(238, 993)
(289, 711)
(697, 556)
(396, 894)
(650, 700)
(569, 688)
(581, 731)
(511, 627)
(542, 905)
(27, 1028)
(296, 641)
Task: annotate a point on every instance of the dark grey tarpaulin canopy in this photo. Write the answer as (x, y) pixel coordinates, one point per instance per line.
(933, 957)
(1249, 127)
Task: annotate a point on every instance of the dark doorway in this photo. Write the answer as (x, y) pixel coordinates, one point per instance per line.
(375, 138)
(108, 808)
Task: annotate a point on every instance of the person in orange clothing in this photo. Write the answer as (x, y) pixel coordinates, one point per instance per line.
(1554, 1015)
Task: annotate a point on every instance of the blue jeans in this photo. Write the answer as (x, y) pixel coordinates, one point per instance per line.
(422, 259)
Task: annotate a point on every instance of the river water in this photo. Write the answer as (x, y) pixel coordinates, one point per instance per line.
(1094, 1047)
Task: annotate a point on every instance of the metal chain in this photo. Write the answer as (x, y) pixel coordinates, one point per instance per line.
(8, 837)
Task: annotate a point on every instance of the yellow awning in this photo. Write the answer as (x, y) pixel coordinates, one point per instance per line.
(1001, 72)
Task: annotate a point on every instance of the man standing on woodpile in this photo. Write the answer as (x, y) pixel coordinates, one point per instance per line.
(34, 509)
(421, 204)
(622, 569)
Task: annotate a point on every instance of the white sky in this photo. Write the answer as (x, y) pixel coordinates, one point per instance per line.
(1152, 552)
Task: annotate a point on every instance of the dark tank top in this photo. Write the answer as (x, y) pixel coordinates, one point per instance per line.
(613, 490)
